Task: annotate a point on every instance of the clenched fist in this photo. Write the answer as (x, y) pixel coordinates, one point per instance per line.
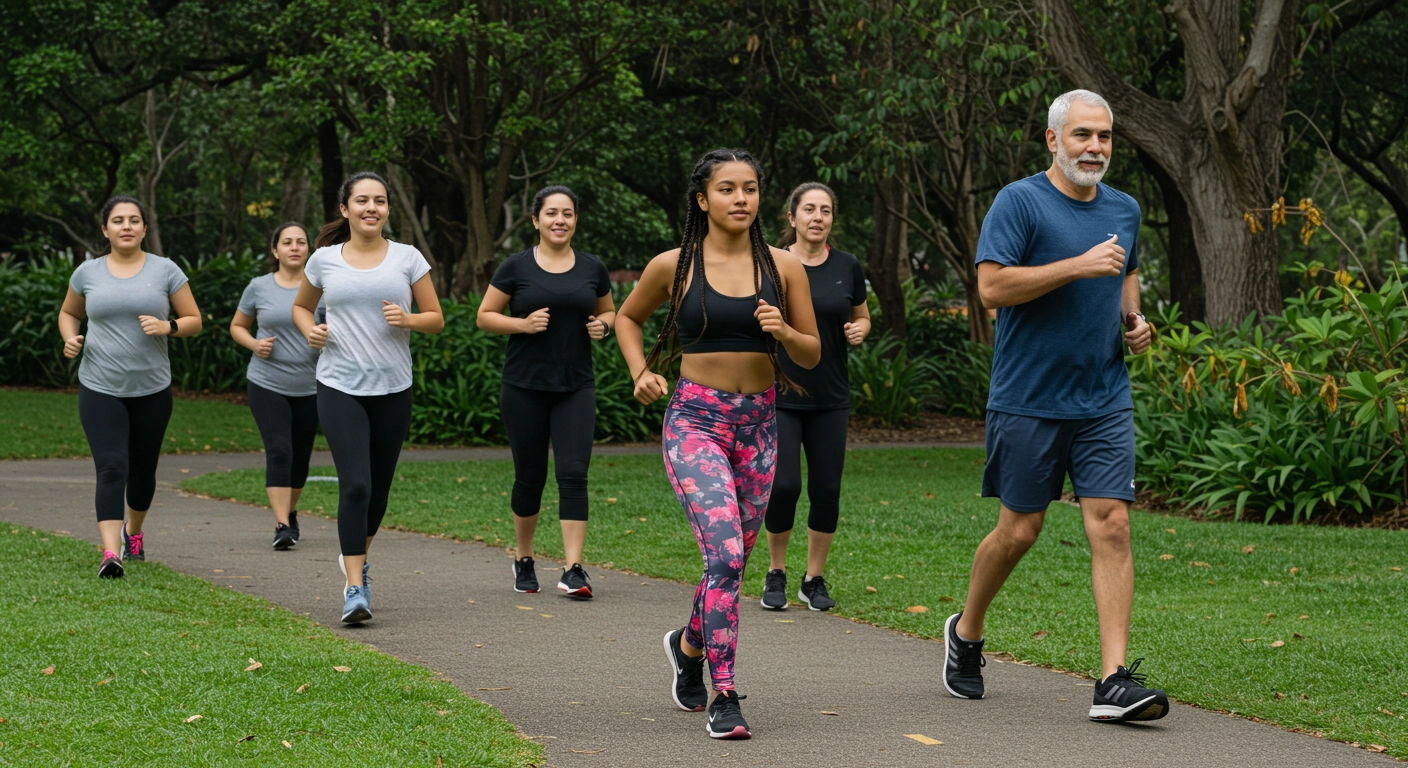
(1104, 260)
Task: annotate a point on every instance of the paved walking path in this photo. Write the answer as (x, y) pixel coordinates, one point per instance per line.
(590, 681)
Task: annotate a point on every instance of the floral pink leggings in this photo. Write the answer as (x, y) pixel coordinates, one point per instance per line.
(720, 452)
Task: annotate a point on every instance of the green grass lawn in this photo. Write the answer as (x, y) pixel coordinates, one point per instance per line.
(103, 672)
(1305, 629)
(42, 425)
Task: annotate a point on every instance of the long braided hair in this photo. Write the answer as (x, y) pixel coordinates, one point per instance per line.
(696, 228)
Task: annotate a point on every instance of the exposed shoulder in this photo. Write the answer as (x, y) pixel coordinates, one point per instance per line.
(788, 265)
(667, 261)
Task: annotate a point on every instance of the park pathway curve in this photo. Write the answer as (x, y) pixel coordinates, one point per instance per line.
(590, 682)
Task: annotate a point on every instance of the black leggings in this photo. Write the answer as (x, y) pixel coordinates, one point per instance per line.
(823, 434)
(365, 433)
(533, 417)
(125, 435)
(288, 425)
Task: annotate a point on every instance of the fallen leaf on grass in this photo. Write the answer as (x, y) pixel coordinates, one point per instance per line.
(246, 738)
(1170, 530)
(642, 519)
(1302, 617)
(922, 739)
(1386, 712)
(1039, 635)
(1065, 543)
(610, 499)
(871, 589)
(884, 503)
(1377, 748)
(916, 609)
(1165, 557)
(1396, 569)
(829, 712)
(1277, 643)
(105, 682)
(1198, 564)
(1247, 550)
(1297, 635)
(1280, 695)
(342, 669)
(194, 718)
(286, 744)
(507, 688)
(49, 670)
(1295, 571)
(301, 688)
(1270, 615)
(253, 665)
(947, 599)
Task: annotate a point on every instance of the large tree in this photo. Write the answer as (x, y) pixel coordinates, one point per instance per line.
(1220, 142)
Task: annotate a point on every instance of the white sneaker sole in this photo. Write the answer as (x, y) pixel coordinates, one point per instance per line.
(581, 593)
(515, 583)
(948, 632)
(803, 597)
(785, 605)
(1109, 713)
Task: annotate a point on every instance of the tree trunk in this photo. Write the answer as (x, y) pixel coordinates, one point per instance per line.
(1185, 271)
(1221, 143)
(330, 154)
(887, 262)
(295, 201)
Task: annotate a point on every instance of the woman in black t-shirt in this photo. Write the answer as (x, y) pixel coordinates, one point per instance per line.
(560, 302)
(816, 420)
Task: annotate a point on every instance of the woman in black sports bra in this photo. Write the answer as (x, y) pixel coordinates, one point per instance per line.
(734, 302)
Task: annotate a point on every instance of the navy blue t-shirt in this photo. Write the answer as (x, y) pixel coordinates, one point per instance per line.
(1060, 355)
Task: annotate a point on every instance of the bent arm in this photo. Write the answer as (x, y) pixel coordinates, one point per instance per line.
(1129, 299)
(493, 317)
(188, 322)
(305, 304)
(428, 318)
(606, 311)
(71, 314)
(239, 331)
(799, 335)
(1004, 286)
(650, 292)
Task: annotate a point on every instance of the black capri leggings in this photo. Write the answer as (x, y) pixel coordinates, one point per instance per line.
(532, 417)
(365, 433)
(288, 425)
(823, 435)
(125, 435)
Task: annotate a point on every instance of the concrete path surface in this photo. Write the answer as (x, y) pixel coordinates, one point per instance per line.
(590, 680)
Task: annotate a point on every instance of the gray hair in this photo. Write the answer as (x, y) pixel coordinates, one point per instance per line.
(1060, 108)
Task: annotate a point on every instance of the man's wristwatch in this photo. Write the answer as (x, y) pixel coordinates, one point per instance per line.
(174, 328)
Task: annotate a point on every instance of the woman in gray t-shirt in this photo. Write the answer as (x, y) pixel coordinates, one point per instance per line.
(282, 388)
(124, 379)
(364, 372)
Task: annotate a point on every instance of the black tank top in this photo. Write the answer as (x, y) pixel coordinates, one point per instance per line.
(731, 326)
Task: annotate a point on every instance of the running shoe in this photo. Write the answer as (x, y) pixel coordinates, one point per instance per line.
(366, 578)
(775, 590)
(1122, 698)
(356, 608)
(964, 662)
(283, 537)
(726, 717)
(293, 523)
(814, 594)
(524, 578)
(111, 567)
(133, 546)
(688, 689)
(576, 583)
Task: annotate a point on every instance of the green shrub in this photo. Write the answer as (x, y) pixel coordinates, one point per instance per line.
(31, 293)
(887, 383)
(1298, 417)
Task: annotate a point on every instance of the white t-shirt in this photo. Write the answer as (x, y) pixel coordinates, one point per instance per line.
(364, 355)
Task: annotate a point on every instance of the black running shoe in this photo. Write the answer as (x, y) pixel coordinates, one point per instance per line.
(726, 717)
(293, 523)
(964, 662)
(775, 590)
(576, 583)
(1122, 698)
(111, 567)
(814, 594)
(524, 578)
(688, 689)
(283, 537)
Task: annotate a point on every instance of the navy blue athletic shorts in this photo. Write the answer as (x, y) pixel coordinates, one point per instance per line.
(1029, 458)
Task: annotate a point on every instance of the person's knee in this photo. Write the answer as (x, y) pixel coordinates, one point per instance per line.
(786, 489)
(355, 492)
(1107, 522)
(1020, 531)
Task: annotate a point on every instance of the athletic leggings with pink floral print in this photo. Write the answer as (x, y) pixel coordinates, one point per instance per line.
(720, 451)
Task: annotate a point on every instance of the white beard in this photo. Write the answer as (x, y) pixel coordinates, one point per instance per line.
(1078, 177)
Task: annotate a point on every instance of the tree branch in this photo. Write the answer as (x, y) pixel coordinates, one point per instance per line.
(1264, 33)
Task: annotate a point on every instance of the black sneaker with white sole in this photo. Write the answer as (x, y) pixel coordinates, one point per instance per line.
(688, 690)
(576, 583)
(525, 579)
(283, 537)
(293, 523)
(963, 662)
(814, 594)
(1122, 698)
(726, 717)
(111, 567)
(775, 590)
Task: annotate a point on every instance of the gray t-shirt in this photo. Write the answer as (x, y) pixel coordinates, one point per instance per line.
(292, 364)
(364, 355)
(118, 358)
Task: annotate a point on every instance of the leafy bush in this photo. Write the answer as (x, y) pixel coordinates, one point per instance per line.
(887, 383)
(1299, 417)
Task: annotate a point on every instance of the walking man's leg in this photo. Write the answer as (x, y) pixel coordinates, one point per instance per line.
(1111, 576)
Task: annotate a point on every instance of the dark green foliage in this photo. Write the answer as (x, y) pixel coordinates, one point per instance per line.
(212, 361)
(31, 293)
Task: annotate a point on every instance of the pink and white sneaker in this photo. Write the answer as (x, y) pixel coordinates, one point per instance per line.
(111, 567)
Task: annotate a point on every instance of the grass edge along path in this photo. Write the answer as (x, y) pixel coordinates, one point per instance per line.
(164, 668)
(1297, 626)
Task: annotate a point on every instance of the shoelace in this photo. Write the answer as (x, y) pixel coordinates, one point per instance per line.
(1130, 673)
(729, 706)
(134, 545)
(819, 586)
(579, 573)
(971, 662)
(777, 582)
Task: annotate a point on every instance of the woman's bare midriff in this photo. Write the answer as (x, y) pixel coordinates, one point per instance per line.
(740, 372)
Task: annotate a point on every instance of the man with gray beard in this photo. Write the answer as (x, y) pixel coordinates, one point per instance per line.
(1058, 259)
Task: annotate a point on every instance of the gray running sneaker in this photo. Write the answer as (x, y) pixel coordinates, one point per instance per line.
(1122, 697)
(814, 594)
(356, 609)
(963, 662)
(775, 590)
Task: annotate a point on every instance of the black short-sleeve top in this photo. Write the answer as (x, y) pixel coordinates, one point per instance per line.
(560, 358)
(837, 284)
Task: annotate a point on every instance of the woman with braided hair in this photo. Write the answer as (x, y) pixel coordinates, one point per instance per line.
(733, 303)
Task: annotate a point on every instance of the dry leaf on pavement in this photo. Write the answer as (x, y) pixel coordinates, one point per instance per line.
(922, 739)
(497, 689)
